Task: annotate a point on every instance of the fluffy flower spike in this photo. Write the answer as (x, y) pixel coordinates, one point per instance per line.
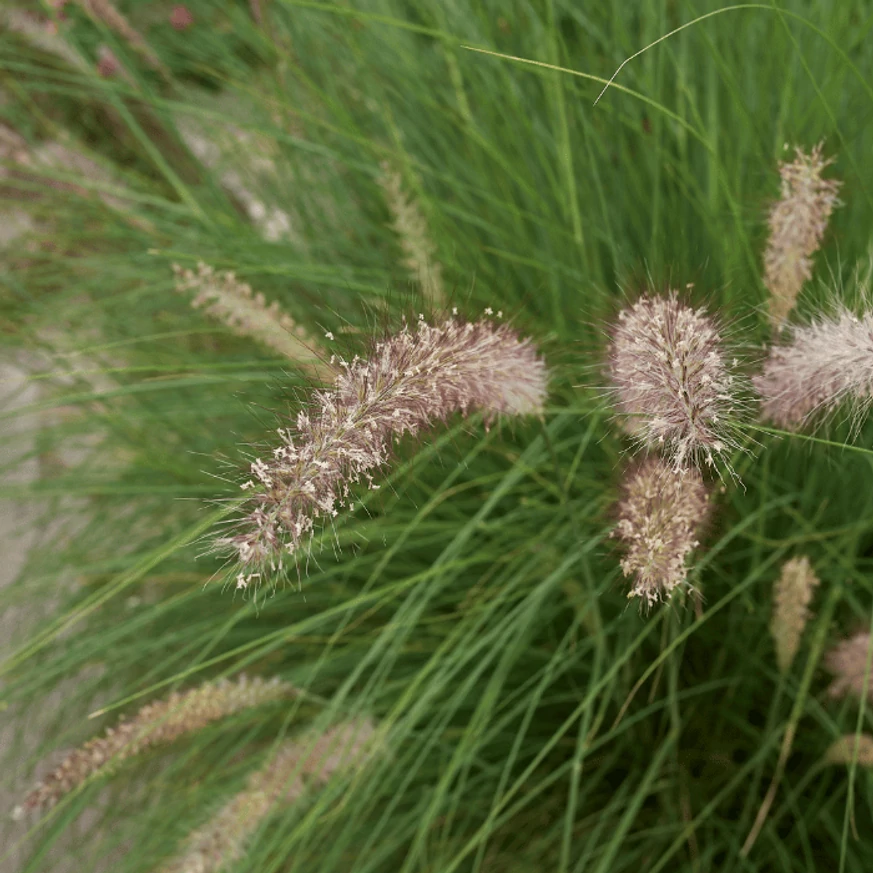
(797, 224)
(672, 380)
(408, 222)
(659, 516)
(827, 363)
(248, 314)
(222, 841)
(413, 379)
(156, 724)
(843, 750)
(847, 661)
(791, 598)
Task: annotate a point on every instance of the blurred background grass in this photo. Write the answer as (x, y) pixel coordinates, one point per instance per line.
(475, 607)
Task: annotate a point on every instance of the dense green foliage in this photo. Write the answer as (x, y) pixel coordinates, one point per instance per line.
(533, 720)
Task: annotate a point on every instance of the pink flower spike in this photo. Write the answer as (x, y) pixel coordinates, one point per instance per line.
(797, 221)
(827, 363)
(847, 662)
(412, 380)
(672, 380)
(659, 516)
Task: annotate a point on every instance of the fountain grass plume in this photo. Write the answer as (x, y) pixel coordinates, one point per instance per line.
(408, 222)
(842, 751)
(673, 381)
(114, 19)
(797, 222)
(660, 514)
(248, 314)
(826, 365)
(791, 598)
(412, 379)
(156, 724)
(847, 662)
(299, 763)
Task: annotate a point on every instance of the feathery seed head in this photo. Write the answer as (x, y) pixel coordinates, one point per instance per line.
(672, 379)
(660, 513)
(791, 598)
(797, 224)
(232, 302)
(843, 750)
(411, 380)
(223, 839)
(827, 363)
(847, 661)
(411, 228)
(156, 724)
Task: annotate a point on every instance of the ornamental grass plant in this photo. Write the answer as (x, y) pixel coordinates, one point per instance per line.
(412, 464)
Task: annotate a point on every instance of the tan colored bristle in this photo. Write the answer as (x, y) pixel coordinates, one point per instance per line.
(248, 314)
(285, 777)
(158, 723)
(411, 228)
(659, 516)
(791, 598)
(797, 225)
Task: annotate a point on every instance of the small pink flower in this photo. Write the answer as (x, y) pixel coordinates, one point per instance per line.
(181, 18)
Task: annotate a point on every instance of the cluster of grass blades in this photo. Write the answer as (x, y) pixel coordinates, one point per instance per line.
(473, 607)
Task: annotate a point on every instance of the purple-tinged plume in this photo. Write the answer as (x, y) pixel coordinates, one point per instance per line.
(156, 724)
(847, 661)
(300, 764)
(672, 380)
(660, 513)
(413, 379)
(827, 363)
(797, 224)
